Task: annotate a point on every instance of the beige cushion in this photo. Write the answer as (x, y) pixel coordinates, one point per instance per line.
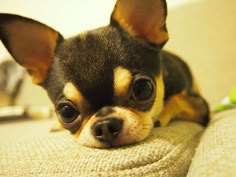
(26, 150)
(216, 153)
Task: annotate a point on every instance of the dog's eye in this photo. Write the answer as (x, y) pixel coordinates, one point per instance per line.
(67, 112)
(142, 89)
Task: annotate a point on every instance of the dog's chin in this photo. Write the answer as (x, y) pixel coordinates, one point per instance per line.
(121, 142)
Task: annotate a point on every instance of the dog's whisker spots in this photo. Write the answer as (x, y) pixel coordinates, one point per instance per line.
(147, 125)
(146, 128)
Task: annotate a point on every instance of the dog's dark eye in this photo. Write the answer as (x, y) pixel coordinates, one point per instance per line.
(67, 112)
(142, 89)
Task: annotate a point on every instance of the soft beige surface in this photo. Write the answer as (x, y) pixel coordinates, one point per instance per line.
(33, 152)
(216, 153)
(204, 34)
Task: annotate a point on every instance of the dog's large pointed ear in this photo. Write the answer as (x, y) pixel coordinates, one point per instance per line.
(31, 43)
(144, 19)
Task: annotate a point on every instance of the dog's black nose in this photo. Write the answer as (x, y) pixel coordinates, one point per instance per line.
(107, 130)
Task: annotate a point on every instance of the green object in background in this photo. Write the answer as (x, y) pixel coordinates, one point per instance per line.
(228, 102)
(232, 96)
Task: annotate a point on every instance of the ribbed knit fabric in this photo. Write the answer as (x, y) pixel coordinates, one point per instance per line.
(216, 153)
(167, 152)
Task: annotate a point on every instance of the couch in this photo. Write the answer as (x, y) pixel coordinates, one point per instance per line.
(28, 148)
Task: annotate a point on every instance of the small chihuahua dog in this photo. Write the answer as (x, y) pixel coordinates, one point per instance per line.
(112, 85)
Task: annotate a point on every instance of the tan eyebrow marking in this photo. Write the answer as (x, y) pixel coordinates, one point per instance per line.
(83, 35)
(122, 80)
(74, 95)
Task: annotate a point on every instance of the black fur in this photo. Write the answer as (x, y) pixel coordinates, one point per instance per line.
(177, 75)
(90, 63)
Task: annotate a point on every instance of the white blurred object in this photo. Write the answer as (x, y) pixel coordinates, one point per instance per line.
(178, 3)
(21, 113)
(40, 112)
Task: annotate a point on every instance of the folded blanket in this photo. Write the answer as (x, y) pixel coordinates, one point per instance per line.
(167, 152)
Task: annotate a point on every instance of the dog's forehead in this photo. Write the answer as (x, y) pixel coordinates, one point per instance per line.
(90, 60)
(108, 47)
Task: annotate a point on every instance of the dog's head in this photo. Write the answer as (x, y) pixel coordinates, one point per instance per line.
(106, 84)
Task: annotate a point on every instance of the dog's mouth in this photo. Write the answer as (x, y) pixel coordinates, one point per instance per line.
(121, 127)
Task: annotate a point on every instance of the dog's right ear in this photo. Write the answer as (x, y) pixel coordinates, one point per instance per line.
(31, 43)
(143, 19)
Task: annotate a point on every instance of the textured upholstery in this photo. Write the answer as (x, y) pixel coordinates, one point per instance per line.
(32, 151)
(216, 153)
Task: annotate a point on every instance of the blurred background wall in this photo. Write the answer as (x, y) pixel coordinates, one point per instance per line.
(203, 32)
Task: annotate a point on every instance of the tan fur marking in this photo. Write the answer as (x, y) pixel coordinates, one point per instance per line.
(196, 87)
(83, 35)
(84, 123)
(183, 106)
(73, 94)
(158, 104)
(57, 127)
(122, 80)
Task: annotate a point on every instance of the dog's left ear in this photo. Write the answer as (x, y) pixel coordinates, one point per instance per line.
(31, 43)
(143, 19)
